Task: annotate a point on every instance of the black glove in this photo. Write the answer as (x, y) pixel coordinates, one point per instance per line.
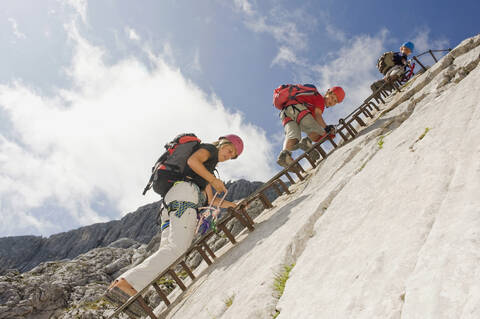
(330, 129)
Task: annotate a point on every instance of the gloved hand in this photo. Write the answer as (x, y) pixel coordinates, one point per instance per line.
(330, 129)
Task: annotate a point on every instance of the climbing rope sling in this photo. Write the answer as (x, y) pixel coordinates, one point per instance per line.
(203, 224)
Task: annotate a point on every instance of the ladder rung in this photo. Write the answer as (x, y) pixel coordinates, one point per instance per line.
(177, 280)
(187, 269)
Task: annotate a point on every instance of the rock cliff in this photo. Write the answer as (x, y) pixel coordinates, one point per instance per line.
(25, 252)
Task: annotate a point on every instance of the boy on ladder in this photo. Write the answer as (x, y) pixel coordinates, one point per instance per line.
(302, 111)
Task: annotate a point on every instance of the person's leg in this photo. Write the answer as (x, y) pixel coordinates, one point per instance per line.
(291, 128)
(388, 73)
(394, 73)
(397, 71)
(377, 85)
(314, 132)
(290, 144)
(119, 292)
(285, 158)
(313, 129)
(305, 145)
(292, 136)
(181, 234)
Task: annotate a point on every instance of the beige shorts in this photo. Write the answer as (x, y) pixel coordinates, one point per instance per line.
(308, 124)
(397, 70)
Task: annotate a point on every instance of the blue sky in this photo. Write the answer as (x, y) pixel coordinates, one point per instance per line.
(91, 90)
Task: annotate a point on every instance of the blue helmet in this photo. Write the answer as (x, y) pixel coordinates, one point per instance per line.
(409, 45)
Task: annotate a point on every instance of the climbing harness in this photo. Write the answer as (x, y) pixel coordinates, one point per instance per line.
(203, 213)
(409, 73)
(300, 116)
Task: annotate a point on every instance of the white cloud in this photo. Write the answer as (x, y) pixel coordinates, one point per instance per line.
(80, 7)
(335, 33)
(281, 26)
(132, 35)
(424, 42)
(16, 31)
(245, 6)
(353, 67)
(103, 135)
(286, 33)
(285, 55)
(353, 61)
(196, 65)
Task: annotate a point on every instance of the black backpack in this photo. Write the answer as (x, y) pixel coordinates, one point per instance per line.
(170, 167)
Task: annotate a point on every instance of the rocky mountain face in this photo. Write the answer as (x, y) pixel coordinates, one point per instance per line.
(56, 289)
(25, 252)
(68, 289)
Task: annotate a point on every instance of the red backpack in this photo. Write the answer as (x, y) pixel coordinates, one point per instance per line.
(288, 94)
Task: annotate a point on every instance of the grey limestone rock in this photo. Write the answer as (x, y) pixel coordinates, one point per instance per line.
(26, 252)
(124, 243)
(63, 289)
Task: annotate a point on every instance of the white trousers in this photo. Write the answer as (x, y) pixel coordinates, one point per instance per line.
(175, 240)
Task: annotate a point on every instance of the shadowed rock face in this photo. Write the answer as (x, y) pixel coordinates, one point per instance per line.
(65, 289)
(25, 252)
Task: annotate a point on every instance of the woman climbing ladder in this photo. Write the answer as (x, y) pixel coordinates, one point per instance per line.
(181, 201)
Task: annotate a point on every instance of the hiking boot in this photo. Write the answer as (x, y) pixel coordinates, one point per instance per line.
(305, 144)
(285, 158)
(119, 292)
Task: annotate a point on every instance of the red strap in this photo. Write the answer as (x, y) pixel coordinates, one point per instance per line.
(320, 138)
(187, 138)
(290, 102)
(302, 114)
(286, 120)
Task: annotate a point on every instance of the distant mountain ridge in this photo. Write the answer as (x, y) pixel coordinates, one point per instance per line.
(25, 252)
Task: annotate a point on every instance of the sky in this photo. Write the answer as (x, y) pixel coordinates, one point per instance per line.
(90, 91)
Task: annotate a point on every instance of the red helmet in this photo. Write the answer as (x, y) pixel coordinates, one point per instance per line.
(236, 141)
(339, 92)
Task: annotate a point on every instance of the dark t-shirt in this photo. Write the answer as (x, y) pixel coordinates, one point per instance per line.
(400, 58)
(209, 164)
